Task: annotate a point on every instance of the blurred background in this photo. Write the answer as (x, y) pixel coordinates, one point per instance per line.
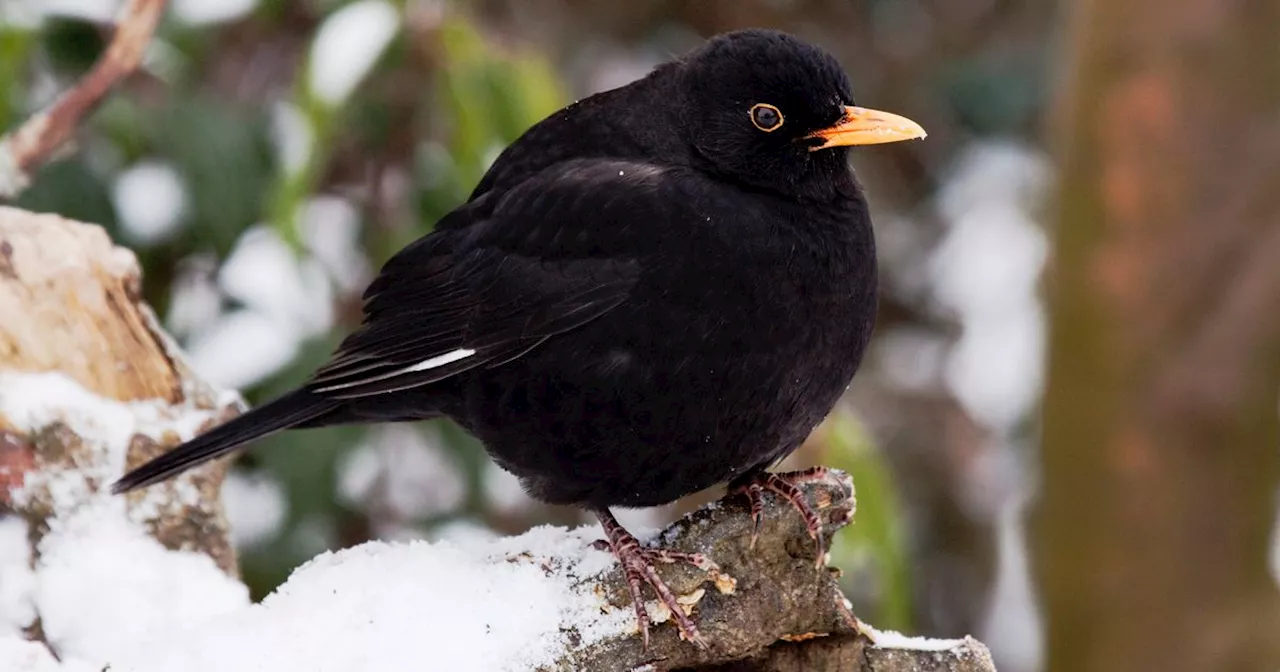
(1064, 438)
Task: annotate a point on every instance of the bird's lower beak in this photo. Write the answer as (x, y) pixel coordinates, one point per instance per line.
(862, 126)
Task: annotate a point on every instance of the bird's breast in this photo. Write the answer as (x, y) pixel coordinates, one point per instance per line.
(733, 345)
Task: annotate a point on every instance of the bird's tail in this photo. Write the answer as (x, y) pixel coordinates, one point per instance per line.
(287, 411)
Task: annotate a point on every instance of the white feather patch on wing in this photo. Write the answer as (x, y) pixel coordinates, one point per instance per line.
(439, 360)
(424, 365)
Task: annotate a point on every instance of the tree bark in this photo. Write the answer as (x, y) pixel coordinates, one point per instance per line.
(1160, 460)
(78, 312)
(72, 305)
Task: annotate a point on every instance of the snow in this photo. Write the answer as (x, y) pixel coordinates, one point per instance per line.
(100, 582)
(403, 471)
(911, 359)
(208, 12)
(1013, 627)
(888, 639)
(502, 490)
(196, 303)
(502, 604)
(98, 11)
(150, 199)
(331, 229)
(16, 578)
(20, 655)
(293, 136)
(21, 15)
(256, 508)
(346, 47)
(103, 584)
(986, 270)
(460, 530)
(240, 349)
(313, 534)
(287, 299)
(267, 276)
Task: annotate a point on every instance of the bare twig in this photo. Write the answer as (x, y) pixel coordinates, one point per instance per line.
(24, 150)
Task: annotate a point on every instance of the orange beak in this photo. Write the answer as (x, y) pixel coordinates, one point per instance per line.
(863, 126)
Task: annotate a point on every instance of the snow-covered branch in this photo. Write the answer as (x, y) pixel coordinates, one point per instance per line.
(89, 384)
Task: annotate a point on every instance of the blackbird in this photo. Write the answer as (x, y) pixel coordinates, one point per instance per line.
(657, 289)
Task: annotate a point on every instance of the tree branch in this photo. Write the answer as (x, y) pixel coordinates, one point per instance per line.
(32, 144)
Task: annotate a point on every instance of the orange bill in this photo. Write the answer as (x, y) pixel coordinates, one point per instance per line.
(863, 126)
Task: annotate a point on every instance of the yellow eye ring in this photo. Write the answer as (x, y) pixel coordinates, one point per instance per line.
(766, 117)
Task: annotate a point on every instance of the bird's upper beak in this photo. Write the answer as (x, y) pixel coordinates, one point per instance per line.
(863, 126)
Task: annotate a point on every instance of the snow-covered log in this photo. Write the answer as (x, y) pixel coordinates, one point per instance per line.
(89, 383)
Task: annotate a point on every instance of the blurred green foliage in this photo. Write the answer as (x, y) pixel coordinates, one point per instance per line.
(872, 551)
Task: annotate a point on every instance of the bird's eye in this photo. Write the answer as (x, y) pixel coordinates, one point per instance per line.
(766, 117)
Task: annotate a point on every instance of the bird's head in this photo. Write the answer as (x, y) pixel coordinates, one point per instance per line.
(773, 111)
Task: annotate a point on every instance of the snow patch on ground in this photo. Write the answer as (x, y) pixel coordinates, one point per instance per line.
(888, 639)
(16, 578)
(100, 582)
(475, 604)
(20, 655)
(103, 584)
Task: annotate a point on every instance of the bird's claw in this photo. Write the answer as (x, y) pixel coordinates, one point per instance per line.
(638, 567)
(786, 485)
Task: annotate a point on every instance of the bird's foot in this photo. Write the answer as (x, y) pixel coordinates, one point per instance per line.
(786, 485)
(638, 567)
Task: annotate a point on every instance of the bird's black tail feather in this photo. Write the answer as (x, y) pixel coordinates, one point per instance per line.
(292, 409)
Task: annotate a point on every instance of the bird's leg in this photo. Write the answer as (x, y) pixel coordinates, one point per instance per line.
(637, 566)
(788, 486)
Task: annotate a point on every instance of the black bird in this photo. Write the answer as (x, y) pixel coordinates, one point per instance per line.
(656, 289)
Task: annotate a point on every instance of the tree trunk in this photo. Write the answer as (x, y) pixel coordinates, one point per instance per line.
(1160, 457)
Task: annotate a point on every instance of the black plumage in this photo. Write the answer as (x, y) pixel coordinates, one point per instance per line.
(657, 289)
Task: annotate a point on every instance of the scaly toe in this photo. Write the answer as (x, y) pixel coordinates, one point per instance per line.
(638, 567)
(786, 486)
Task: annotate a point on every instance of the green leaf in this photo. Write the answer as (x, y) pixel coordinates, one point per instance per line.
(15, 47)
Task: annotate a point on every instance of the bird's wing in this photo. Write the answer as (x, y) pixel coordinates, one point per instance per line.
(550, 256)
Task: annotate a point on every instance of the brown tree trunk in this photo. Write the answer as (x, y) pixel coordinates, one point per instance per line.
(1160, 458)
